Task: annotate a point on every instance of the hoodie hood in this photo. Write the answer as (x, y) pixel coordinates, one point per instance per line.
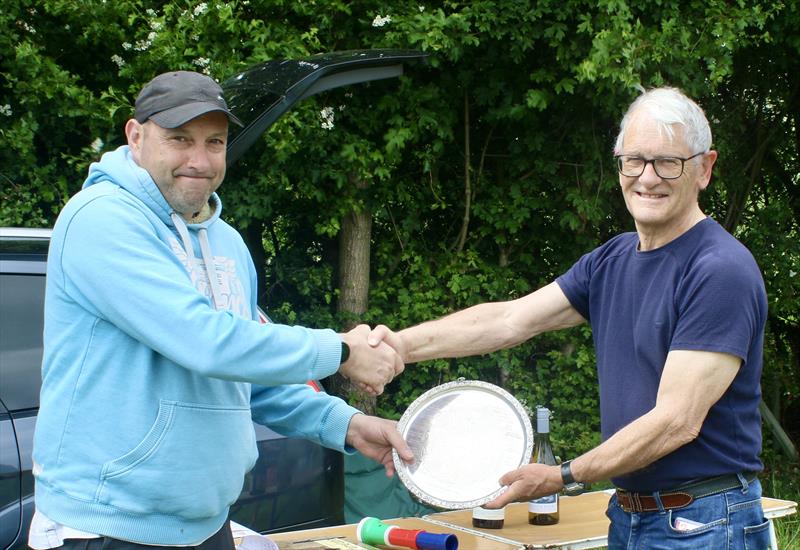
(119, 167)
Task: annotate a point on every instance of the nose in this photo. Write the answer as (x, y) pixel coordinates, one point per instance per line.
(199, 158)
(649, 175)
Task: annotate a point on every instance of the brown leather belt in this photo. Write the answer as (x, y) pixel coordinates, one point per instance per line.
(680, 496)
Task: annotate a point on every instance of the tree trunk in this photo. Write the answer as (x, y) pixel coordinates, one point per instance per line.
(354, 255)
(354, 248)
(462, 234)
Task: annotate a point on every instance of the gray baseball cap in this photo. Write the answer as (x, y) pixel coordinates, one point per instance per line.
(172, 99)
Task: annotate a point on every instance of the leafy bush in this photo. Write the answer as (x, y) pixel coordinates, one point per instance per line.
(487, 170)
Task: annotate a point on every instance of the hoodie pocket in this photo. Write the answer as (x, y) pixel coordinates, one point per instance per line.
(191, 463)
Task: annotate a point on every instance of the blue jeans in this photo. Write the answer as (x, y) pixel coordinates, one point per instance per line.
(732, 520)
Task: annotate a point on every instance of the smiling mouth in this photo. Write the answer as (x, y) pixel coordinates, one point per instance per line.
(650, 195)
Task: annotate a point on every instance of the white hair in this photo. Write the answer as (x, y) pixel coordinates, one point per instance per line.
(668, 107)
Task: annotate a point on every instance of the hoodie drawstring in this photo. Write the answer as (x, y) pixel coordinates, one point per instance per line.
(211, 268)
(205, 251)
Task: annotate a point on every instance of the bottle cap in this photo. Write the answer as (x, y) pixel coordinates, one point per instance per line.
(542, 420)
(436, 541)
(484, 513)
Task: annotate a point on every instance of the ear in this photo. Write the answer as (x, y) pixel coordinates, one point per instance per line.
(708, 163)
(134, 131)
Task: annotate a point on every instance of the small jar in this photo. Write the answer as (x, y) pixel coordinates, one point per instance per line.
(483, 518)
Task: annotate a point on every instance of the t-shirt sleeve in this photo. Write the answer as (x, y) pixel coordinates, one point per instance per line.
(721, 308)
(575, 284)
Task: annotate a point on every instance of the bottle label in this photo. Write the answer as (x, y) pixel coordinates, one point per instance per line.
(544, 505)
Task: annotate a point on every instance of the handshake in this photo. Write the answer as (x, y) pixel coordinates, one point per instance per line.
(376, 357)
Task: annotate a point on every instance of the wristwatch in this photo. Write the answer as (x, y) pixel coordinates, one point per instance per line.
(345, 352)
(571, 487)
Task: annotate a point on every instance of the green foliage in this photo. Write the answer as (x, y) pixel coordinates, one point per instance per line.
(544, 85)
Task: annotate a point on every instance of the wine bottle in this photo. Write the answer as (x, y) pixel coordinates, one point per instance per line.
(544, 510)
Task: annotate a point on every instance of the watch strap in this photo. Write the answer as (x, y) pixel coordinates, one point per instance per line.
(345, 352)
(566, 473)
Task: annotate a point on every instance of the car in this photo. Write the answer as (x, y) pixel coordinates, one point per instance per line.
(295, 483)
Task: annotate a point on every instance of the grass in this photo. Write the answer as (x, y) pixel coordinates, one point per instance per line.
(781, 479)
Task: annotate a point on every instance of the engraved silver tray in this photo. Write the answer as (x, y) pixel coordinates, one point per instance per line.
(465, 435)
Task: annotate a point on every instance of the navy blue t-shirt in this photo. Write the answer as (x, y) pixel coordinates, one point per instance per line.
(702, 291)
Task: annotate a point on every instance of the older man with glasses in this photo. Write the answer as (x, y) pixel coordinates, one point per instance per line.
(677, 310)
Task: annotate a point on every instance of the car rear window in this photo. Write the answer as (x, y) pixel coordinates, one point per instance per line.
(21, 327)
(24, 246)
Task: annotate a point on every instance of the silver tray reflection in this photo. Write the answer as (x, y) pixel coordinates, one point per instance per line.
(465, 435)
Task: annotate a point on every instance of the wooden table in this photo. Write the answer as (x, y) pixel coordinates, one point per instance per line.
(583, 524)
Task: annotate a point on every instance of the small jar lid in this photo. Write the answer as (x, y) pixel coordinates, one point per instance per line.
(484, 513)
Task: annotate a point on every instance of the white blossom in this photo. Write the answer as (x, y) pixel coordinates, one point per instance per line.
(421, 8)
(6, 110)
(327, 115)
(200, 9)
(151, 36)
(118, 60)
(97, 145)
(28, 28)
(142, 45)
(202, 61)
(151, 12)
(127, 45)
(156, 25)
(380, 21)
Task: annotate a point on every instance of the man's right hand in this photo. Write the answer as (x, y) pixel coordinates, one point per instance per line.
(370, 367)
(384, 335)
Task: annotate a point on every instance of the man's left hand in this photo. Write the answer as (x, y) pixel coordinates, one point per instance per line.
(375, 437)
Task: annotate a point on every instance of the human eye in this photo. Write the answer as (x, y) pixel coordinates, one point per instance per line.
(668, 162)
(216, 144)
(632, 162)
(178, 139)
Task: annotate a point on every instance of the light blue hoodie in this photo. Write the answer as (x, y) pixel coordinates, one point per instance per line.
(152, 370)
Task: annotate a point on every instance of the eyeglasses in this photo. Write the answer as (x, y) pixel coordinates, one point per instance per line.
(667, 168)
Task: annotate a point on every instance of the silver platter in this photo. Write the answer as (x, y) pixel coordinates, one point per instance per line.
(465, 435)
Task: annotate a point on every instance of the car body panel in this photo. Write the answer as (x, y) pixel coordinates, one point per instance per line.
(10, 482)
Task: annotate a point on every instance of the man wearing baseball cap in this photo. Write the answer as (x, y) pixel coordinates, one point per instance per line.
(155, 364)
